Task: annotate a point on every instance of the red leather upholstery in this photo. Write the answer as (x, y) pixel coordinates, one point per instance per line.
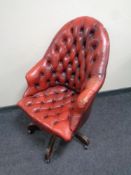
(63, 84)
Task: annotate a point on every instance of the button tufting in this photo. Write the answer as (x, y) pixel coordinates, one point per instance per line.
(74, 42)
(84, 43)
(53, 101)
(29, 103)
(92, 32)
(79, 52)
(53, 71)
(71, 108)
(89, 75)
(78, 40)
(36, 85)
(48, 62)
(57, 82)
(36, 109)
(55, 122)
(77, 55)
(49, 108)
(35, 96)
(62, 106)
(65, 39)
(48, 80)
(42, 102)
(94, 45)
(41, 73)
(57, 48)
(70, 64)
(66, 83)
(94, 59)
(72, 100)
(68, 52)
(46, 116)
(74, 85)
(72, 30)
(82, 29)
(78, 65)
(73, 76)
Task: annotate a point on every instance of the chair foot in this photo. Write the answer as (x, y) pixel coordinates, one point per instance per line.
(83, 139)
(32, 128)
(49, 150)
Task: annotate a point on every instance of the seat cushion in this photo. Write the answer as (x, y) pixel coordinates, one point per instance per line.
(54, 110)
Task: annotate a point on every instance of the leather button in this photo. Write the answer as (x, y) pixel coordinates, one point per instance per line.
(37, 85)
(89, 75)
(57, 48)
(94, 45)
(72, 30)
(36, 110)
(65, 39)
(41, 73)
(94, 59)
(46, 116)
(82, 29)
(29, 103)
(92, 32)
(42, 102)
(84, 43)
(56, 122)
(75, 42)
(49, 108)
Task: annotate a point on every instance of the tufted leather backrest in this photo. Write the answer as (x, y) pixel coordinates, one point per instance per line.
(78, 52)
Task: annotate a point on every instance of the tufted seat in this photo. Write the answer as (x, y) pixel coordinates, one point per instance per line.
(53, 109)
(63, 84)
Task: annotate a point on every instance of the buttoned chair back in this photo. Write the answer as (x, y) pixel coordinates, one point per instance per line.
(63, 84)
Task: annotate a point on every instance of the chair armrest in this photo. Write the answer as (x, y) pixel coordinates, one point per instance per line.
(33, 78)
(92, 87)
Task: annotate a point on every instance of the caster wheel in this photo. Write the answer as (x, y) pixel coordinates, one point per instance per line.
(85, 147)
(30, 131)
(47, 161)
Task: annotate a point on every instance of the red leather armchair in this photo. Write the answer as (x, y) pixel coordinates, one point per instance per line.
(64, 83)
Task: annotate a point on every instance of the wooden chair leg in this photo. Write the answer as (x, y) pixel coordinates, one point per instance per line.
(32, 128)
(49, 149)
(83, 139)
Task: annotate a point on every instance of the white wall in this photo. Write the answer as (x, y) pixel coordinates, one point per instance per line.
(27, 27)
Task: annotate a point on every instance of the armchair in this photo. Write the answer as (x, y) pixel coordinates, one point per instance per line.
(63, 84)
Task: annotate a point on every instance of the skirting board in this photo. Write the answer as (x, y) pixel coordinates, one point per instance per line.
(100, 94)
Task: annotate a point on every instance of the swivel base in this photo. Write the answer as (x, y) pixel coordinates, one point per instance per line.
(84, 140)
